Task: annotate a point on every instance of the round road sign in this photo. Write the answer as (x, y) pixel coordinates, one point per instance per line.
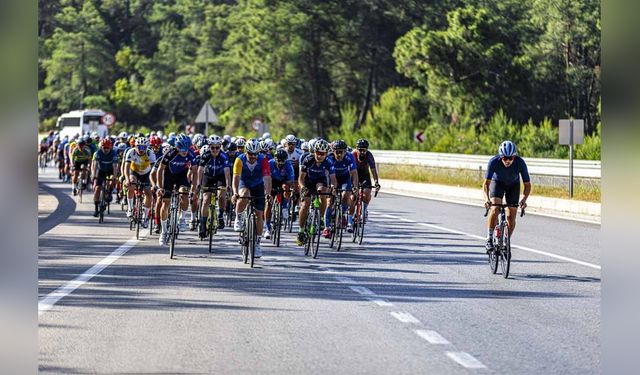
(108, 119)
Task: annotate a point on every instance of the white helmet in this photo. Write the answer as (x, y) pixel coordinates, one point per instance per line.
(204, 149)
(142, 141)
(321, 146)
(291, 138)
(240, 142)
(122, 135)
(215, 140)
(226, 137)
(266, 135)
(264, 146)
(252, 146)
(305, 146)
(312, 142)
(197, 138)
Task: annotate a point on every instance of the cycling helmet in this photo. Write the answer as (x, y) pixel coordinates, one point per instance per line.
(215, 140)
(270, 144)
(282, 155)
(305, 146)
(140, 134)
(172, 134)
(142, 141)
(252, 146)
(82, 143)
(204, 149)
(201, 142)
(226, 137)
(312, 142)
(232, 147)
(507, 148)
(266, 135)
(291, 138)
(87, 139)
(183, 143)
(155, 141)
(321, 146)
(106, 143)
(172, 141)
(240, 142)
(362, 143)
(339, 145)
(165, 148)
(197, 138)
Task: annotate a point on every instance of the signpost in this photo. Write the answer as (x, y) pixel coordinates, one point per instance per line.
(108, 119)
(205, 116)
(418, 136)
(571, 133)
(259, 126)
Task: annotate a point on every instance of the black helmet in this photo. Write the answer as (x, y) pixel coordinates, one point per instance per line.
(232, 147)
(362, 143)
(339, 145)
(282, 155)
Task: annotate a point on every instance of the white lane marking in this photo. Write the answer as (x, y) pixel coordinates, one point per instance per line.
(465, 360)
(551, 255)
(405, 317)
(432, 337)
(52, 298)
(361, 290)
(380, 302)
(345, 280)
(467, 203)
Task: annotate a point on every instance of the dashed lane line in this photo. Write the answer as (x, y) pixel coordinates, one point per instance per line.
(465, 360)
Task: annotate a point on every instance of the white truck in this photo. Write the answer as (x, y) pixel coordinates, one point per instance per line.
(82, 122)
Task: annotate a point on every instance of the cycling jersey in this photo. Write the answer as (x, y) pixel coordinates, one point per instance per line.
(141, 164)
(81, 155)
(176, 163)
(284, 173)
(497, 171)
(214, 165)
(106, 161)
(251, 175)
(295, 155)
(344, 166)
(363, 165)
(314, 171)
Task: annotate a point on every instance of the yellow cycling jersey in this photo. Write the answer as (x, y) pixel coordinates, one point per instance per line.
(141, 164)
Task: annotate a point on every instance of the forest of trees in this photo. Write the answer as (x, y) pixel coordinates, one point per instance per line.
(469, 72)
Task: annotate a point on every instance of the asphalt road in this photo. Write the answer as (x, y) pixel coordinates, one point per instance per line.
(416, 297)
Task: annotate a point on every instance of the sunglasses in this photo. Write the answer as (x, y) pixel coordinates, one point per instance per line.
(320, 153)
(508, 158)
(362, 149)
(214, 148)
(339, 152)
(291, 144)
(255, 154)
(141, 148)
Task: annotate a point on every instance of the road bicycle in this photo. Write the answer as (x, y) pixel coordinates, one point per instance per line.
(174, 228)
(212, 217)
(501, 251)
(81, 184)
(338, 220)
(249, 235)
(138, 208)
(276, 216)
(360, 215)
(312, 228)
(293, 202)
(104, 203)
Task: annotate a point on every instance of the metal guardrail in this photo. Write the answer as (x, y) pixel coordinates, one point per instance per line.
(546, 167)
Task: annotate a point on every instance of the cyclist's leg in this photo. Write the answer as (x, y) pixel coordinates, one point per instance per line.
(97, 187)
(496, 192)
(512, 197)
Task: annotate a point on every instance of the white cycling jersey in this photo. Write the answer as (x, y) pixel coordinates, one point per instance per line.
(141, 164)
(295, 155)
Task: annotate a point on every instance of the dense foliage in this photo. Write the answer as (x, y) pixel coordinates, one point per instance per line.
(470, 72)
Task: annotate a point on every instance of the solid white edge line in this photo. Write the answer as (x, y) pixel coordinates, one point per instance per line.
(432, 337)
(551, 255)
(46, 303)
(467, 203)
(465, 359)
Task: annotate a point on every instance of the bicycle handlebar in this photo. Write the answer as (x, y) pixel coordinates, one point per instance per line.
(486, 212)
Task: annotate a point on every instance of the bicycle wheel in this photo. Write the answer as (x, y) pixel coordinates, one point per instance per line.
(493, 257)
(315, 239)
(274, 222)
(152, 214)
(211, 222)
(138, 216)
(252, 238)
(173, 224)
(101, 207)
(292, 210)
(361, 229)
(337, 228)
(244, 240)
(505, 259)
(278, 227)
(307, 233)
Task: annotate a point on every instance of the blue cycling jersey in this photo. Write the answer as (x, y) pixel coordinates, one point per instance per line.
(214, 165)
(344, 166)
(176, 163)
(105, 160)
(285, 173)
(251, 175)
(497, 171)
(313, 170)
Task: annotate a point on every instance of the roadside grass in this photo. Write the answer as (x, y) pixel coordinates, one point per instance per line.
(474, 179)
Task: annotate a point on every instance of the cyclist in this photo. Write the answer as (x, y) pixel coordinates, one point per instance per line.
(347, 178)
(43, 147)
(240, 143)
(80, 157)
(60, 160)
(315, 172)
(365, 161)
(105, 164)
(177, 168)
(251, 178)
(282, 178)
(213, 171)
(265, 148)
(503, 179)
(138, 161)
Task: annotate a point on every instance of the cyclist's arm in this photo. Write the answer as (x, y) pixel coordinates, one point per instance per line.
(127, 171)
(372, 164)
(227, 176)
(334, 180)
(354, 177)
(485, 190)
(236, 184)
(94, 166)
(160, 175)
(266, 176)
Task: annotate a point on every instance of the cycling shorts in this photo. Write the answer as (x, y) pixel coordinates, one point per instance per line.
(498, 189)
(312, 184)
(364, 178)
(213, 181)
(143, 178)
(344, 182)
(102, 175)
(77, 165)
(257, 191)
(171, 179)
